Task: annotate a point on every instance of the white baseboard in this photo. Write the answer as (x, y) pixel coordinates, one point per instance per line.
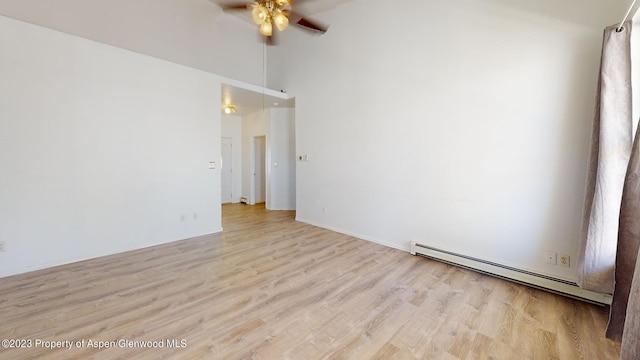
(356, 235)
(540, 281)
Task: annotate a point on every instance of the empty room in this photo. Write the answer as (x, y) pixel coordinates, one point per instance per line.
(319, 179)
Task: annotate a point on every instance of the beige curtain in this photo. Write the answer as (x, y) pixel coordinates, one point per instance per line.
(610, 150)
(610, 258)
(630, 349)
(626, 295)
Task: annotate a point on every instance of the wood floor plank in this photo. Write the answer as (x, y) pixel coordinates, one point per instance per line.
(268, 287)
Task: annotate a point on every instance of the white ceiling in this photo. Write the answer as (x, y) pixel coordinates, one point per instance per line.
(198, 34)
(195, 33)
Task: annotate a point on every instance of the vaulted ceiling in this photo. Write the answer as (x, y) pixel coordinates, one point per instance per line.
(198, 34)
(195, 33)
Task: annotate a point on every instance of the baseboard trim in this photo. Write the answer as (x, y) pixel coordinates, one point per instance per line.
(525, 277)
(355, 235)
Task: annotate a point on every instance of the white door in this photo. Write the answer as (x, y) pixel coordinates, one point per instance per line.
(226, 170)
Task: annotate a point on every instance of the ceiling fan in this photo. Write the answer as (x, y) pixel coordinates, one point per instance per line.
(267, 13)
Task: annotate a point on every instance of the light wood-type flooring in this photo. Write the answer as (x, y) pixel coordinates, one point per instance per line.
(268, 287)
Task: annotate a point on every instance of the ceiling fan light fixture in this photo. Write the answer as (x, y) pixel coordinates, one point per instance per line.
(229, 109)
(269, 13)
(266, 28)
(280, 20)
(260, 14)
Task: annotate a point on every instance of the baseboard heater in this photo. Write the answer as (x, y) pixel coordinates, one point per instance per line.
(548, 283)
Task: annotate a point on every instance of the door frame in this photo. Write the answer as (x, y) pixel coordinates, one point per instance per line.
(252, 180)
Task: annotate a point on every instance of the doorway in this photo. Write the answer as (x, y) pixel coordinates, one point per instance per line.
(258, 164)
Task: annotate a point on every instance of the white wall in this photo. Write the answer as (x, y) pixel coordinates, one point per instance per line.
(232, 128)
(283, 176)
(102, 150)
(464, 125)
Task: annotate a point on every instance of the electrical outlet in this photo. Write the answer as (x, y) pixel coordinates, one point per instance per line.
(550, 257)
(565, 260)
(3, 246)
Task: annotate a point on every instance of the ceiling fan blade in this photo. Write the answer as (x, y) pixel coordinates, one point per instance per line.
(235, 6)
(311, 25)
(304, 23)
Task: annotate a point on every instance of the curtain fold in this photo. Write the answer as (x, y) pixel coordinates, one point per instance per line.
(624, 303)
(610, 151)
(610, 240)
(630, 348)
